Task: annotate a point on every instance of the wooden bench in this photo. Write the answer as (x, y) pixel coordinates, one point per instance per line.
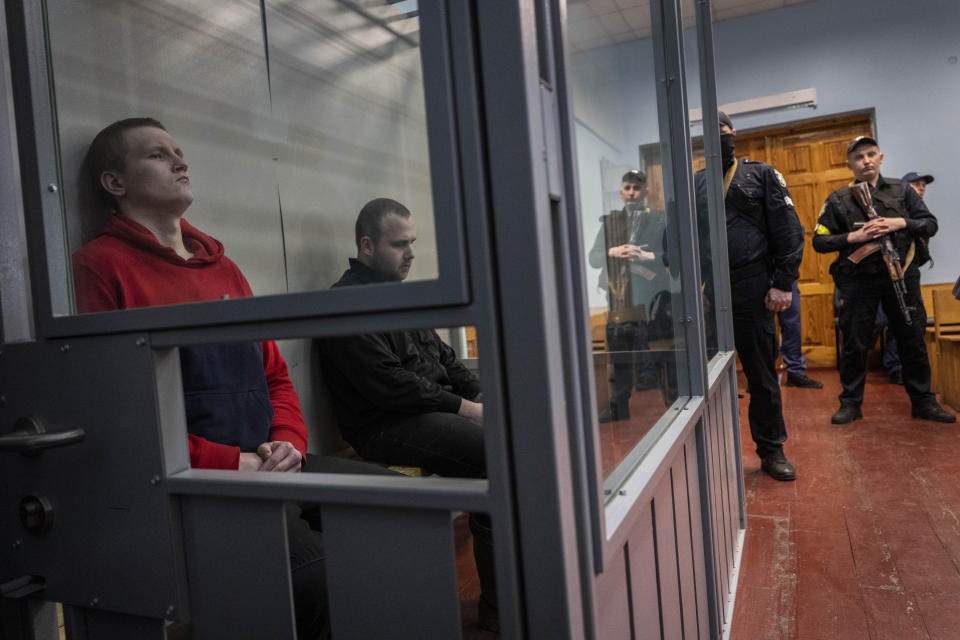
(350, 454)
(950, 369)
(945, 336)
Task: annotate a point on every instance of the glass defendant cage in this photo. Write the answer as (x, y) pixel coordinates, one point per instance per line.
(492, 122)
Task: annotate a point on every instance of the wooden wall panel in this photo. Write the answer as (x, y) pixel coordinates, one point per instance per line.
(835, 153)
(697, 539)
(685, 548)
(642, 566)
(797, 159)
(612, 599)
(719, 524)
(671, 614)
(663, 562)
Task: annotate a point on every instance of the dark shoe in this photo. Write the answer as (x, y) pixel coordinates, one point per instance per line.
(896, 377)
(778, 467)
(801, 380)
(846, 413)
(933, 412)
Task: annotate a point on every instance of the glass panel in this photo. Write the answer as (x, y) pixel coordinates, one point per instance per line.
(289, 117)
(628, 229)
(703, 178)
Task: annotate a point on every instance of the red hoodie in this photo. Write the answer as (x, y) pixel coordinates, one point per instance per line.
(126, 267)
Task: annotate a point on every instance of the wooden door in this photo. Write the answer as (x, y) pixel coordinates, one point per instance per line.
(812, 158)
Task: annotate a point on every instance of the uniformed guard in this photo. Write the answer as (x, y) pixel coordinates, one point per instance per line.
(863, 279)
(765, 246)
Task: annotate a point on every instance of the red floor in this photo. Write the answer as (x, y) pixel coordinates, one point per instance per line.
(866, 542)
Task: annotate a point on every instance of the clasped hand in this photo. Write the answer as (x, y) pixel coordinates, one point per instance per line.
(272, 456)
(633, 252)
(876, 228)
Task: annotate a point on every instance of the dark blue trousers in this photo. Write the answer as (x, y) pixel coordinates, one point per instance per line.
(791, 338)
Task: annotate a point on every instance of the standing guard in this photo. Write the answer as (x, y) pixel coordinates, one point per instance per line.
(765, 246)
(866, 274)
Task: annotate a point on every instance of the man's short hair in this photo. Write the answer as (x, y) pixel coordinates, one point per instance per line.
(108, 152)
(636, 176)
(371, 217)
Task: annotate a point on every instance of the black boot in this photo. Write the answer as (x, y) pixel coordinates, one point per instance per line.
(801, 380)
(846, 413)
(778, 467)
(488, 617)
(933, 412)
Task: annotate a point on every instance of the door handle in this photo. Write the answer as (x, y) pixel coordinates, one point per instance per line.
(30, 437)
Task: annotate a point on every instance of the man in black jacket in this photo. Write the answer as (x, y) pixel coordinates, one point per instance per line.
(863, 281)
(765, 246)
(403, 397)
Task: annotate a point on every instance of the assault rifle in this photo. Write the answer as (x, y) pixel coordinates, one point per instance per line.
(861, 193)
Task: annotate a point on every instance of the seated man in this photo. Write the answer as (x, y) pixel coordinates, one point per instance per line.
(241, 408)
(402, 397)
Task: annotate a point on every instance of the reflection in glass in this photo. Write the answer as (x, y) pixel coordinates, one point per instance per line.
(290, 115)
(628, 227)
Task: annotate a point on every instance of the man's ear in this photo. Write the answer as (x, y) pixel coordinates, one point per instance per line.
(112, 183)
(366, 246)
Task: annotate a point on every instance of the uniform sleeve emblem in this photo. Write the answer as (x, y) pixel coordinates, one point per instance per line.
(789, 201)
(783, 183)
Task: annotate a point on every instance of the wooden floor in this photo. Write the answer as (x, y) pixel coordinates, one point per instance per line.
(866, 543)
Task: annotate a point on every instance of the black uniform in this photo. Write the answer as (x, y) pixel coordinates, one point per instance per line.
(863, 285)
(627, 326)
(765, 246)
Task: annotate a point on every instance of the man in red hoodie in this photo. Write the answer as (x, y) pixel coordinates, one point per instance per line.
(241, 408)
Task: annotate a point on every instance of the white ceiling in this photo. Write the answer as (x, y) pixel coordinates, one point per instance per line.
(600, 23)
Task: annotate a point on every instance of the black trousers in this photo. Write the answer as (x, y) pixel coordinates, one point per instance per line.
(626, 337)
(755, 338)
(860, 295)
(443, 443)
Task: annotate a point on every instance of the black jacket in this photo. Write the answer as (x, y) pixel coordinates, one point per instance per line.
(381, 376)
(891, 199)
(647, 228)
(762, 223)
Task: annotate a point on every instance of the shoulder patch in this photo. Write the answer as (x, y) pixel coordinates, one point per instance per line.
(789, 201)
(783, 183)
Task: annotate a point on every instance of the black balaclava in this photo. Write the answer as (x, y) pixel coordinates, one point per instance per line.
(727, 144)
(727, 141)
